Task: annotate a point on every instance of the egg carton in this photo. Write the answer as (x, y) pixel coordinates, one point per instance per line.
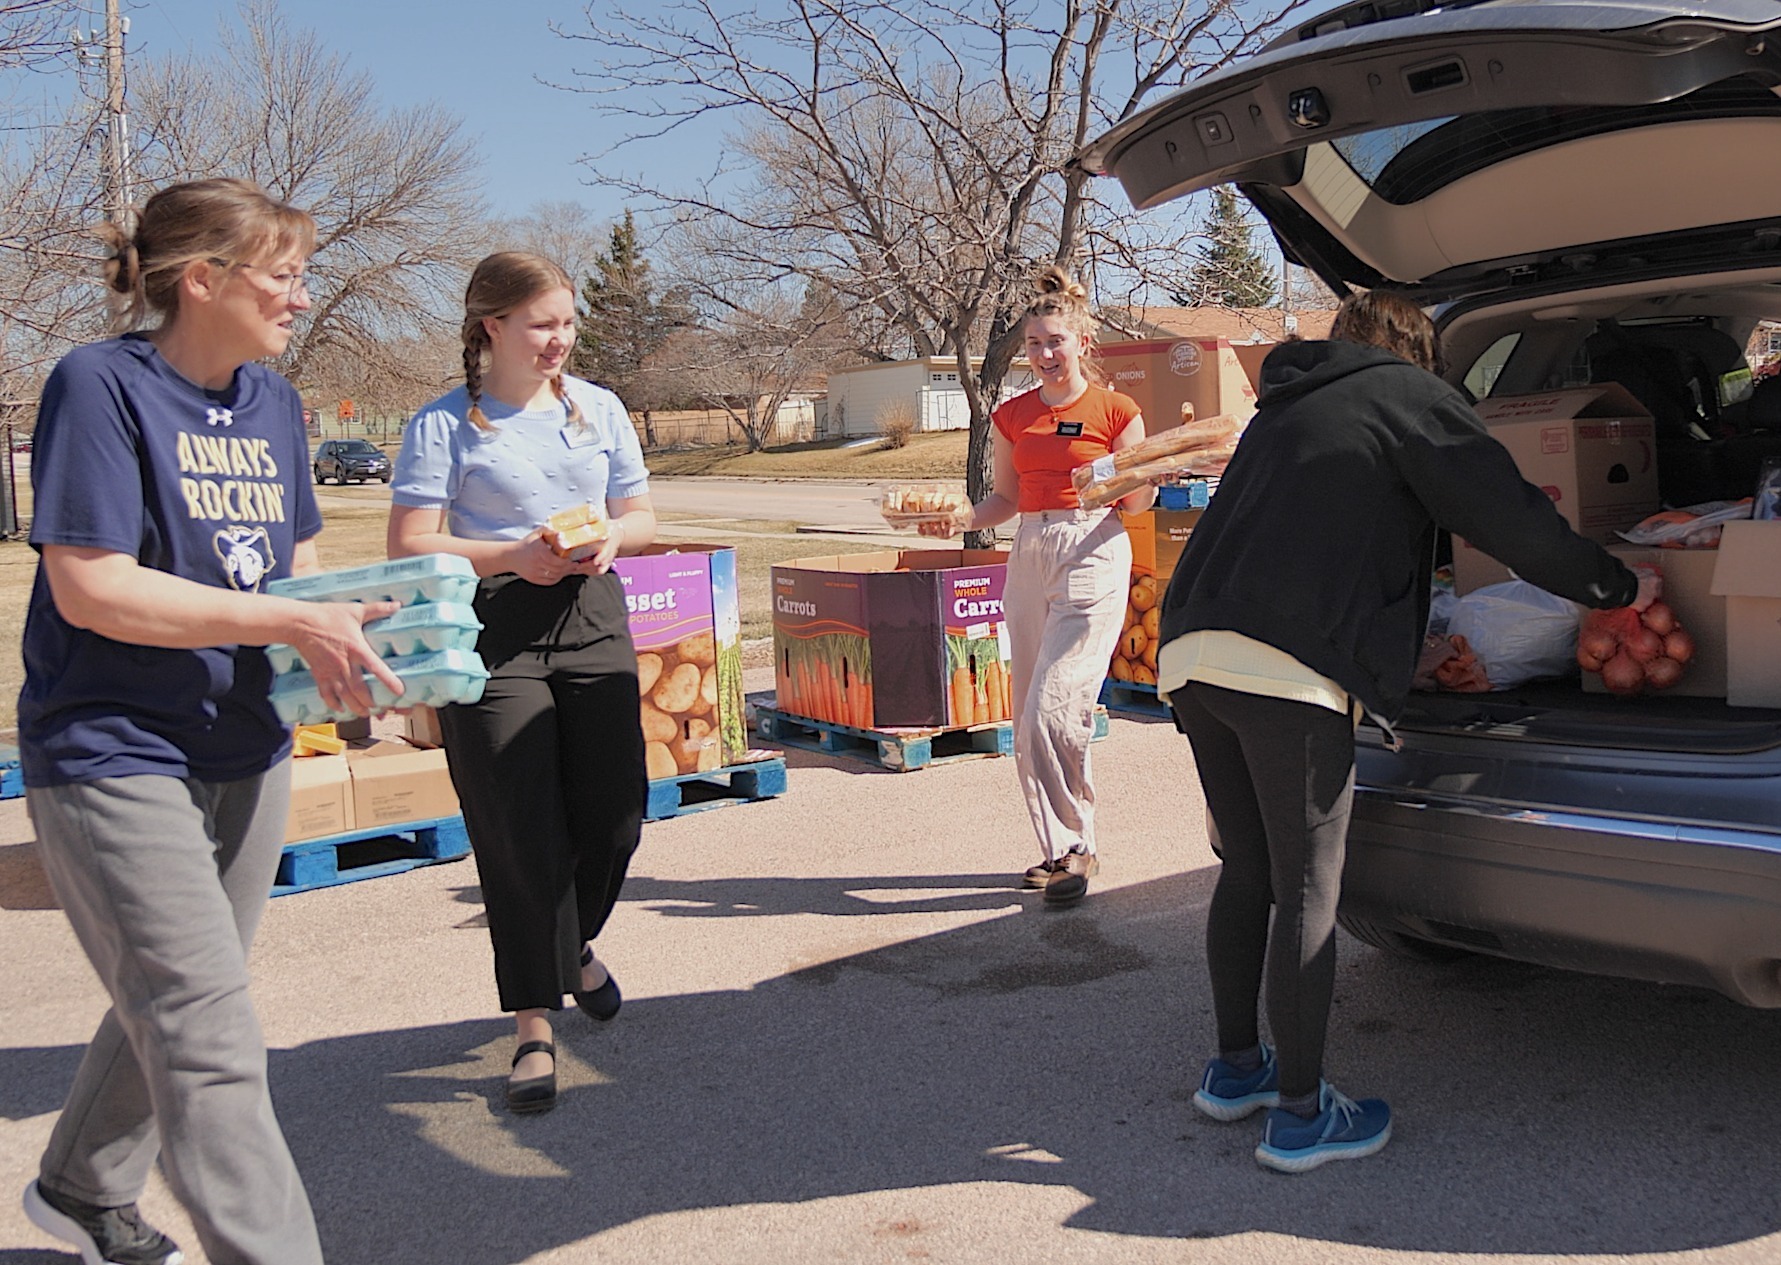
(433, 679)
(429, 577)
(410, 631)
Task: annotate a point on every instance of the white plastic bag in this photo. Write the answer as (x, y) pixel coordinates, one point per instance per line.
(1519, 631)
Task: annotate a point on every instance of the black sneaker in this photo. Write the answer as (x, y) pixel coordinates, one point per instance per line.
(1040, 874)
(105, 1236)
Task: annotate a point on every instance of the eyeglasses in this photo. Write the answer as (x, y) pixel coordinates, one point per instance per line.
(292, 283)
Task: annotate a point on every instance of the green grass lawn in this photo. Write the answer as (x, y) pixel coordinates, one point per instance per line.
(938, 456)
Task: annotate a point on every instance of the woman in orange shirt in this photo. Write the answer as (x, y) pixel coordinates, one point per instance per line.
(1068, 574)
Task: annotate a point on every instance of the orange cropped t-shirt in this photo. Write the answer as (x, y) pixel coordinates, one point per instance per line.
(1051, 442)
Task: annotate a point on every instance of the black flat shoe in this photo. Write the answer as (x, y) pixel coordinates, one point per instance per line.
(535, 1093)
(600, 1003)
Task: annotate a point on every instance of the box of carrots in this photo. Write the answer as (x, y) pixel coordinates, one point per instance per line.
(687, 628)
(910, 638)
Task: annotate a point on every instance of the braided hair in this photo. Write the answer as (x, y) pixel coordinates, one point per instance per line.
(499, 284)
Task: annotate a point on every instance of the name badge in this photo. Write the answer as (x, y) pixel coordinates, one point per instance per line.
(579, 436)
(1070, 430)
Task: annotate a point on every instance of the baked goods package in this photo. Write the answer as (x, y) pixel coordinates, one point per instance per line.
(1203, 447)
(911, 504)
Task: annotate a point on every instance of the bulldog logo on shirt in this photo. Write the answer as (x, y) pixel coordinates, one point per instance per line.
(247, 556)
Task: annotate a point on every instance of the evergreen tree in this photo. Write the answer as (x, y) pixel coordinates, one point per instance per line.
(626, 322)
(1230, 272)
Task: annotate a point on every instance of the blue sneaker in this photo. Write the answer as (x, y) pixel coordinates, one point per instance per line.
(1342, 1130)
(1228, 1094)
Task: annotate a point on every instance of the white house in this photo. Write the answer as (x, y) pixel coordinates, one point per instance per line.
(927, 391)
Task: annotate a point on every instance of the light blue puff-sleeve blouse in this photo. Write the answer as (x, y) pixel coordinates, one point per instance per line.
(501, 483)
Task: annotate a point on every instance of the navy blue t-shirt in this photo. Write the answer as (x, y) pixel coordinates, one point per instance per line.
(212, 486)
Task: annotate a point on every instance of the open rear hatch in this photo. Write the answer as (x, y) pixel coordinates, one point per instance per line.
(1398, 143)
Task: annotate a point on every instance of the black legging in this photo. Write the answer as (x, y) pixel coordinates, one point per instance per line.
(550, 774)
(1279, 781)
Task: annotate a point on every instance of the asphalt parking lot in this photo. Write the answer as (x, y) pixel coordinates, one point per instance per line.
(849, 1036)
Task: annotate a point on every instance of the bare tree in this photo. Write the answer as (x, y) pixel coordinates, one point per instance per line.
(759, 346)
(568, 233)
(392, 191)
(35, 31)
(912, 155)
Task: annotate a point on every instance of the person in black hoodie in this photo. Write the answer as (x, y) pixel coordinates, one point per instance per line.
(1300, 601)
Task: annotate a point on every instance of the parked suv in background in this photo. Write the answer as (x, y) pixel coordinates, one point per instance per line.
(355, 459)
(1579, 192)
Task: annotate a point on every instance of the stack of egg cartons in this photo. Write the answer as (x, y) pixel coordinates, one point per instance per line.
(430, 643)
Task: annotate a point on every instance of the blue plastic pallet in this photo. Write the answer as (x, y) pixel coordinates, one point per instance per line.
(1134, 699)
(358, 854)
(717, 788)
(899, 750)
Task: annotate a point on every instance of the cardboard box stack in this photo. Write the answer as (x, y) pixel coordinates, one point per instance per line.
(371, 784)
(687, 626)
(898, 638)
(1164, 374)
(1747, 579)
(1158, 536)
(1591, 449)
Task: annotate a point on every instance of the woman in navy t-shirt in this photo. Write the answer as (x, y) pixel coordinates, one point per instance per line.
(549, 764)
(171, 481)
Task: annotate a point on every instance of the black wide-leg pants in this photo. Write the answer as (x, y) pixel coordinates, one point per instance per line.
(549, 771)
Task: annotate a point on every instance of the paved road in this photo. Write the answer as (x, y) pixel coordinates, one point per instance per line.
(837, 504)
(840, 503)
(849, 1037)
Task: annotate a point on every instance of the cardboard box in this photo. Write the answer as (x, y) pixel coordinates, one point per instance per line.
(422, 729)
(1163, 374)
(321, 798)
(1748, 579)
(911, 637)
(1250, 356)
(1592, 449)
(1158, 537)
(1688, 590)
(393, 783)
(687, 626)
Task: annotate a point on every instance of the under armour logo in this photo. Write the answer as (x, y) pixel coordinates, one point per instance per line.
(219, 416)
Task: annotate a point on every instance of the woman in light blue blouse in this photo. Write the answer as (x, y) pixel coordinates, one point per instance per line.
(549, 765)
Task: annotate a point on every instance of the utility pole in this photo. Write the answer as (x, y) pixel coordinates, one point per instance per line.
(108, 46)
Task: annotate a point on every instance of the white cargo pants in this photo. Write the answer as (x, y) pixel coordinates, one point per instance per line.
(1064, 602)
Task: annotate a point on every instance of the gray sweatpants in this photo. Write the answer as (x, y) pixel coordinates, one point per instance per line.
(164, 881)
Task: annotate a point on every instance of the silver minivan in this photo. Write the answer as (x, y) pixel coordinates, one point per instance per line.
(1580, 192)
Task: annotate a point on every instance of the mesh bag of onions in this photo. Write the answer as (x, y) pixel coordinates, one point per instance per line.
(1634, 651)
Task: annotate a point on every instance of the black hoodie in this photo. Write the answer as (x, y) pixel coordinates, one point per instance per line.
(1321, 538)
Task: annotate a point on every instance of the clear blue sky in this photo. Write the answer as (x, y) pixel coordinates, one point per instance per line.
(481, 61)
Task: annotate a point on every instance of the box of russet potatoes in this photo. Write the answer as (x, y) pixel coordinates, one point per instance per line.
(685, 619)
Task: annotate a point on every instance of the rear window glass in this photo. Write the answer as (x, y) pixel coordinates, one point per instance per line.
(1481, 378)
(1406, 164)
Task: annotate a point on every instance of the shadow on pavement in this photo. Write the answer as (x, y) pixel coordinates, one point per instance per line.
(1538, 1112)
